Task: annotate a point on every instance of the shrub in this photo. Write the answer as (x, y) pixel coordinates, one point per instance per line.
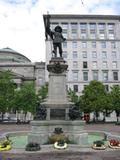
(114, 142)
(98, 143)
(58, 137)
(32, 147)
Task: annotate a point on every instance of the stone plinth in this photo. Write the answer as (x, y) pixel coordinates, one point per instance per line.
(41, 130)
(57, 100)
(57, 93)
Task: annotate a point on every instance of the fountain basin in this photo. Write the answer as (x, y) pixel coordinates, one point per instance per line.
(20, 139)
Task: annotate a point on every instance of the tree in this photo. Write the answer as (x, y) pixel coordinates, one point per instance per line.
(74, 97)
(26, 98)
(43, 91)
(6, 92)
(91, 100)
(115, 97)
(106, 105)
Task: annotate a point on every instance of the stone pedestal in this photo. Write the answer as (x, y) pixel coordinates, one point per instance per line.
(57, 102)
(57, 105)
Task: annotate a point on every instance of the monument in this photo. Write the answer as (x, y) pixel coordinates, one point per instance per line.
(53, 114)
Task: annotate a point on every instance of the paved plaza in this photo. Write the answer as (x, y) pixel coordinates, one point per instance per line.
(71, 153)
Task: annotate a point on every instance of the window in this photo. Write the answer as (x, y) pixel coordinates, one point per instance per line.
(83, 34)
(74, 44)
(94, 54)
(114, 64)
(114, 55)
(115, 76)
(104, 64)
(83, 26)
(103, 44)
(75, 76)
(104, 55)
(94, 64)
(75, 88)
(92, 26)
(111, 35)
(75, 64)
(113, 45)
(65, 29)
(84, 44)
(84, 54)
(64, 54)
(102, 35)
(105, 75)
(85, 76)
(75, 55)
(111, 26)
(93, 44)
(101, 26)
(95, 75)
(92, 34)
(74, 30)
(53, 25)
(65, 44)
(84, 64)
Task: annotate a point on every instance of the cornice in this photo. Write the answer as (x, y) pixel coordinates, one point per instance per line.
(71, 16)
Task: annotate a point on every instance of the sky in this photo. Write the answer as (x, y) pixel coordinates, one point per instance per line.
(22, 27)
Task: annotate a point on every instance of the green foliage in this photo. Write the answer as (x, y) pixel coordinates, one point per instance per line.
(74, 97)
(6, 91)
(42, 93)
(106, 104)
(115, 99)
(32, 147)
(26, 98)
(92, 98)
(98, 143)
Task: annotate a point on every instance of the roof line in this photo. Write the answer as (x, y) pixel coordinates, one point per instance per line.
(9, 50)
(56, 16)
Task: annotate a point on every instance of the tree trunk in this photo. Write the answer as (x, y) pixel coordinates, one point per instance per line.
(97, 115)
(117, 115)
(104, 116)
(25, 116)
(117, 119)
(2, 116)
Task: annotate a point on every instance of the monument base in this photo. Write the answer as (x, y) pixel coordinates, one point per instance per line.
(41, 130)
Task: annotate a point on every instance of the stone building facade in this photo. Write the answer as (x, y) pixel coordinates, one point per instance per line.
(91, 49)
(22, 68)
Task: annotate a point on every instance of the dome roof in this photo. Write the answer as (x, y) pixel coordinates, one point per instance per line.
(9, 55)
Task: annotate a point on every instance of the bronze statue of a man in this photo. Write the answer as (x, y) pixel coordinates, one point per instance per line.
(56, 36)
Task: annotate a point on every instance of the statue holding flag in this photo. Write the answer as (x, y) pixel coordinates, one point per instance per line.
(56, 36)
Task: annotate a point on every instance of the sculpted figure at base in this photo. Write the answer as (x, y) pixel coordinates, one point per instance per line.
(56, 37)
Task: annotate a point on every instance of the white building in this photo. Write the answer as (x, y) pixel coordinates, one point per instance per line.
(92, 49)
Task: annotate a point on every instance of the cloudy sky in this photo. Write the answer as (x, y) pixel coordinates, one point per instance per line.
(21, 21)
